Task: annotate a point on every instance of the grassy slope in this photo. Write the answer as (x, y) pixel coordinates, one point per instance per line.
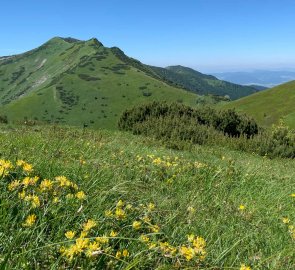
(65, 97)
(201, 83)
(269, 106)
(117, 166)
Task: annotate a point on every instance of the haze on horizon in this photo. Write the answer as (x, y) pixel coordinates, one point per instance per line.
(207, 35)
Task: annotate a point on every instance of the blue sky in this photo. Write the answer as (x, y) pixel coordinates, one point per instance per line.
(208, 35)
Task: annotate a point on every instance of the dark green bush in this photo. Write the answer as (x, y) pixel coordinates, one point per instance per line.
(3, 119)
(228, 122)
(177, 125)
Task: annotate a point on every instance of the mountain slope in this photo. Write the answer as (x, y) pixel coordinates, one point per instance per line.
(202, 84)
(76, 82)
(269, 106)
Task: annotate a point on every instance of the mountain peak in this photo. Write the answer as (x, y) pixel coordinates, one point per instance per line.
(94, 41)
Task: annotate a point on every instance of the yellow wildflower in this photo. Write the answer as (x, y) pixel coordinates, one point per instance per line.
(46, 185)
(14, 185)
(27, 167)
(35, 201)
(242, 207)
(155, 228)
(22, 195)
(80, 195)
(89, 225)
(292, 195)
(144, 238)
(83, 234)
(74, 186)
(70, 234)
(63, 181)
(125, 253)
(244, 267)
(113, 234)
(81, 243)
(5, 166)
(118, 254)
(199, 244)
(151, 207)
(20, 163)
(30, 181)
(120, 213)
(30, 221)
(152, 245)
(102, 239)
(286, 220)
(120, 203)
(136, 225)
(187, 252)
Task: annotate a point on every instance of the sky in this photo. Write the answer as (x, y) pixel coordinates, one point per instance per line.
(207, 35)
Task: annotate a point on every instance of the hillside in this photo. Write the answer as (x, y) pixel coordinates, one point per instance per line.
(133, 204)
(202, 84)
(79, 82)
(269, 106)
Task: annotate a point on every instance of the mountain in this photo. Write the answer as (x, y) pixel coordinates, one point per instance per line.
(259, 87)
(79, 82)
(269, 106)
(257, 77)
(202, 84)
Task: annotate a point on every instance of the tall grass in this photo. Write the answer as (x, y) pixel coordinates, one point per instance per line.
(240, 204)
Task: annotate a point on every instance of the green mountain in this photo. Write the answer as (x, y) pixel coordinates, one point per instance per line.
(202, 84)
(269, 106)
(79, 82)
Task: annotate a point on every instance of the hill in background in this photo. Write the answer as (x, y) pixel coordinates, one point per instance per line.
(269, 106)
(79, 82)
(203, 84)
(82, 82)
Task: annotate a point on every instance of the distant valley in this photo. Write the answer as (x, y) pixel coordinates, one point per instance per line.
(258, 77)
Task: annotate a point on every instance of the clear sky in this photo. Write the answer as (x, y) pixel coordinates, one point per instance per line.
(208, 35)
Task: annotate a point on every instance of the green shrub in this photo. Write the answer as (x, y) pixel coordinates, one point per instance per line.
(3, 119)
(228, 122)
(179, 126)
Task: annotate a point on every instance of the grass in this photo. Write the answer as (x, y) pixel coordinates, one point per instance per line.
(269, 106)
(235, 201)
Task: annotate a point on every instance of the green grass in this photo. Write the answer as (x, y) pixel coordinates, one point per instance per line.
(109, 166)
(269, 106)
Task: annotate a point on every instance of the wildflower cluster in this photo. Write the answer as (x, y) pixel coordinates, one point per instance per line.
(36, 196)
(167, 168)
(125, 231)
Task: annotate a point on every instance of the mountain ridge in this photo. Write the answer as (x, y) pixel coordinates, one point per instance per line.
(76, 82)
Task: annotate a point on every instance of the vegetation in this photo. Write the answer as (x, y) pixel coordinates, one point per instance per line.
(202, 84)
(270, 106)
(79, 199)
(178, 126)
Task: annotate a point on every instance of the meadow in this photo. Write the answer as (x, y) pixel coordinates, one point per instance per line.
(83, 199)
